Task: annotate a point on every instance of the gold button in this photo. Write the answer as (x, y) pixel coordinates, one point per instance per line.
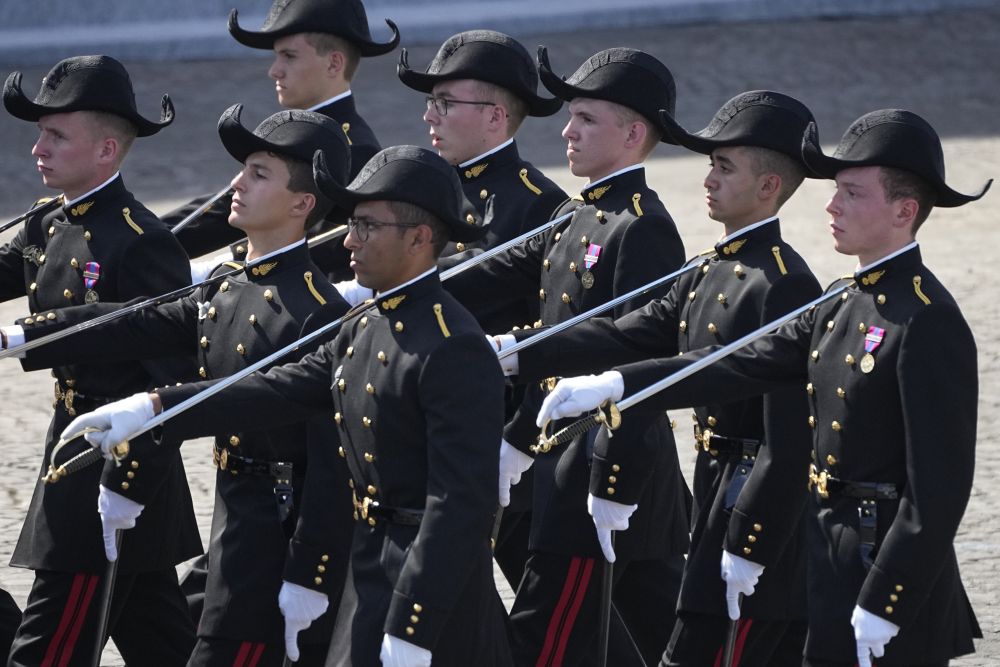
(809, 388)
(721, 298)
(369, 457)
(50, 316)
(240, 349)
(612, 479)
(370, 388)
(541, 294)
(747, 550)
(546, 264)
(888, 609)
(74, 263)
(87, 236)
(29, 320)
(268, 295)
(124, 486)
(410, 630)
(371, 490)
(751, 538)
(815, 355)
(202, 372)
(234, 440)
(483, 194)
(211, 312)
(881, 299)
(253, 319)
(41, 258)
(398, 327)
(318, 580)
(835, 426)
(616, 468)
(831, 460)
(414, 618)
(812, 421)
(204, 341)
(471, 219)
(899, 588)
(683, 326)
(52, 230)
(364, 321)
(371, 521)
(130, 474)
(67, 294)
(367, 422)
(611, 490)
(584, 240)
(350, 483)
(572, 267)
(566, 298)
(861, 327)
(32, 287)
(704, 269)
(843, 297)
(135, 465)
(691, 296)
(712, 328)
(241, 249)
(738, 270)
(893, 597)
(849, 360)
(829, 325)
(841, 393)
(459, 247)
(558, 235)
(757, 527)
(337, 417)
(343, 454)
(417, 608)
(381, 356)
(224, 287)
(712, 421)
(325, 558)
(341, 384)
(321, 568)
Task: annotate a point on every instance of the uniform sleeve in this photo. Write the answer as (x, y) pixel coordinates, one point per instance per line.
(463, 439)
(12, 268)
(769, 509)
(937, 375)
(208, 232)
(650, 248)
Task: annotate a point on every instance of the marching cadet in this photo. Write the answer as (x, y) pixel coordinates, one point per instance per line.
(318, 46)
(481, 86)
(752, 276)
(422, 455)
(96, 242)
(887, 497)
(619, 238)
(278, 295)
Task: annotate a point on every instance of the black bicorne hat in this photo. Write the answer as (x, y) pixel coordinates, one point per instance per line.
(483, 55)
(292, 132)
(407, 174)
(343, 18)
(621, 75)
(888, 138)
(84, 83)
(760, 118)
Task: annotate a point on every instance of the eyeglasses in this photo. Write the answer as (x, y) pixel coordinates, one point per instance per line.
(441, 104)
(362, 228)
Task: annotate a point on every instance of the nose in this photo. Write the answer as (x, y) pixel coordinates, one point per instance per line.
(237, 182)
(569, 132)
(833, 206)
(39, 149)
(351, 241)
(431, 116)
(711, 182)
(274, 71)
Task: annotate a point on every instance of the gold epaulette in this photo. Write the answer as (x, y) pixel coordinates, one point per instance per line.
(440, 319)
(528, 184)
(233, 265)
(920, 294)
(577, 198)
(635, 202)
(127, 214)
(776, 251)
(43, 200)
(346, 127)
(308, 276)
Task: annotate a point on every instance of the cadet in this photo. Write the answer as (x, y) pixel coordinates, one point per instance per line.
(95, 242)
(751, 277)
(620, 237)
(277, 296)
(887, 498)
(318, 46)
(422, 455)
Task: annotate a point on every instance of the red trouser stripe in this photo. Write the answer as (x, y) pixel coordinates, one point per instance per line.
(74, 613)
(565, 612)
(242, 654)
(257, 652)
(248, 655)
(742, 630)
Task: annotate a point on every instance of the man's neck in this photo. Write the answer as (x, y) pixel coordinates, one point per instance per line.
(411, 276)
(631, 166)
(265, 242)
(330, 95)
(92, 186)
(736, 226)
(490, 147)
(878, 256)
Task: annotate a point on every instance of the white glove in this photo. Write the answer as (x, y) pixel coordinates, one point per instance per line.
(398, 652)
(871, 633)
(114, 422)
(513, 464)
(354, 293)
(117, 513)
(12, 336)
(203, 268)
(608, 515)
(300, 606)
(500, 343)
(741, 577)
(574, 396)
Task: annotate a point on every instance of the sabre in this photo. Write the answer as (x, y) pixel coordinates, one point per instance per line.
(613, 417)
(207, 204)
(596, 310)
(44, 207)
(152, 301)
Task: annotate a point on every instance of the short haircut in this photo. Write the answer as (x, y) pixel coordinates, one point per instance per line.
(119, 128)
(627, 116)
(300, 179)
(901, 184)
(324, 43)
(767, 161)
(517, 109)
(406, 212)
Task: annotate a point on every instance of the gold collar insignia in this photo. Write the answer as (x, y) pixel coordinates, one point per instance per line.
(597, 193)
(80, 209)
(391, 303)
(872, 277)
(263, 269)
(733, 247)
(475, 170)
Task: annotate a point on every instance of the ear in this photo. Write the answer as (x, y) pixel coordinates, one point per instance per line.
(636, 136)
(107, 151)
(336, 62)
(303, 204)
(906, 213)
(498, 118)
(423, 238)
(769, 187)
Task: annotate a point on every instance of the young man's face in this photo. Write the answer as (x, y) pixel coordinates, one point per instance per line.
(261, 198)
(861, 220)
(731, 188)
(68, 149)
(300, 74)
(595, 138)
(381, 261)
(460, 135)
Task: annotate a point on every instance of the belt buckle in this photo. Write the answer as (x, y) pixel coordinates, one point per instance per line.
(361, 506)
(223, 459)
(706, 438)
(819, 480)
(66, 397)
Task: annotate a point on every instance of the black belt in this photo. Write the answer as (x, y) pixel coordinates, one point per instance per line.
(715, 444)
(71, 399)
(371, 510)
(279, 471)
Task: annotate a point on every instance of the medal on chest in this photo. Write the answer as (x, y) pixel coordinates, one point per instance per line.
(91, 274)
(590, 261)
(872, 340)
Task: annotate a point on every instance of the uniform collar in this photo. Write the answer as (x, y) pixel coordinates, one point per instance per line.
(472, 169)
(330, 102)
(766, 231)
(627, 179)
(902, 260)
(96, 200)
(409, 292)
(260, 269)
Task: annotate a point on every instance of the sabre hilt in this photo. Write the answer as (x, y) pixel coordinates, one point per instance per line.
(83, 459)
(613, 419)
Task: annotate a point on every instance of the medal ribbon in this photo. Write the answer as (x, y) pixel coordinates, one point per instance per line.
(91, 274)
(593, 254)
(873, 338)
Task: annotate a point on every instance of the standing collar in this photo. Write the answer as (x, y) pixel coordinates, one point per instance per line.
(740, 232)
(764, 232)
(71, 202)
(903, 259)
(487, 153)
(621, 171)
(93, 201)
(335, 98)
(290, 255)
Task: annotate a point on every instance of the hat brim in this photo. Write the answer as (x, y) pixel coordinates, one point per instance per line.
(265, 39)
(826, 166)
(21, 106)
(538, 107)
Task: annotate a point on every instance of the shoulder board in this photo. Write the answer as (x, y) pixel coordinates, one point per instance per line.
(346, 127)
(527, 183)
(127, 214)
(635, 203)
(308, 277)
(577, 197)
(920, 294)
(848, 279)
(776, 251)
(43, 200)
(233, 265)
(440, 318)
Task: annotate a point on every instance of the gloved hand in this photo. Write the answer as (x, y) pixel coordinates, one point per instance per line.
(871, 633)
(574, 396)
(513, 464)
(509, 364)
(353, 292)
(300, 606)
(117, 513)
(203, 268)
(608, 515)
(398, 652)
(114, 422)
(741, 577)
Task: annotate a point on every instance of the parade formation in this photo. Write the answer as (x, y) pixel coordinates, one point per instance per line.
(418, 361)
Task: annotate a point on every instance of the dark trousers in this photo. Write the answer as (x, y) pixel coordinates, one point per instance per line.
(556, 613)
(217, 652)
(148, 620)
(193, 584)
(827, 663)
(698, 640)
(10, 619)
